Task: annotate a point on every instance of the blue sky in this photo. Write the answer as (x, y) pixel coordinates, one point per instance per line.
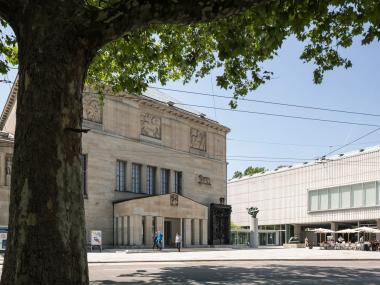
(273, 138)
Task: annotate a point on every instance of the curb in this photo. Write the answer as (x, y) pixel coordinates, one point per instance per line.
(230, 260)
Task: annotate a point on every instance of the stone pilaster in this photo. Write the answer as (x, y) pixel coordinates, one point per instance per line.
(195, 231)
(187, 234)
(204, 232)
(148, 231)
(126, 230)
(137, 230)
(120, 221)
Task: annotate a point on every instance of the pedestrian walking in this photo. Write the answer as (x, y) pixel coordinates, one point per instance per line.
(178, 241)
(159, 240)
(155, 240)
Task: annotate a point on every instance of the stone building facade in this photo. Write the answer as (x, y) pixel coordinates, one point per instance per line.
(140, 150)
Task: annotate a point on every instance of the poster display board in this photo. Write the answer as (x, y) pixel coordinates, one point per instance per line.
(96, 240)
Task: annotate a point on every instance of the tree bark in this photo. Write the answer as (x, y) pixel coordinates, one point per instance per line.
(47, 242)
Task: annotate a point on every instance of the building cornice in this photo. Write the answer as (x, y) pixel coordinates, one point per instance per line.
(9, 104)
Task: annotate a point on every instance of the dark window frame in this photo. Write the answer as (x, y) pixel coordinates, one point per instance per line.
(136, 177)
(151, 179)
(121, 177)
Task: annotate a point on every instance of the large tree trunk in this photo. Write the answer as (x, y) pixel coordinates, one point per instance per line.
(47, 243)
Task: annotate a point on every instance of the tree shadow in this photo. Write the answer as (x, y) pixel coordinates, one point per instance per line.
(268, 274)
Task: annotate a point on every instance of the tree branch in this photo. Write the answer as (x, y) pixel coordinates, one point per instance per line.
(114, 22)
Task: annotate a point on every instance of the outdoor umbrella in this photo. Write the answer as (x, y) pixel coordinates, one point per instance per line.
(321, 231)
(365, 230)
(347, 231)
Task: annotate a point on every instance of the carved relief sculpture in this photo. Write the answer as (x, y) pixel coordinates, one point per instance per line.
(174, 200)
(92, 110)
(198, 139)
(150, 125)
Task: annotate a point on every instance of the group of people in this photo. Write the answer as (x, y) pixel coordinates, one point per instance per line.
(157, 241)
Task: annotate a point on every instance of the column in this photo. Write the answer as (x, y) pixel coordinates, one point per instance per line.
(254, 232)
(131, 236)
(187, 234)
(334, 227)
(378, 227)
(115, 223)
(297, 231)
(126, 230)
(196, 232)
(137, 230)
(204, 232)
(148, 231)
(120, 231)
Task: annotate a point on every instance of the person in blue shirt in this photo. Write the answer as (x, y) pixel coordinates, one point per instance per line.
(159, 240)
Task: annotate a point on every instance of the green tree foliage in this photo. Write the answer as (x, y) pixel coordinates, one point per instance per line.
(239, 44)
(250, 170)
(8, 50)
(237, 174)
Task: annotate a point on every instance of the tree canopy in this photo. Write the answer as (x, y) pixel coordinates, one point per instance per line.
(239, 44)
(250, 170)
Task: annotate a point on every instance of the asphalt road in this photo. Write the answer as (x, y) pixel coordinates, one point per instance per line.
(238, 272)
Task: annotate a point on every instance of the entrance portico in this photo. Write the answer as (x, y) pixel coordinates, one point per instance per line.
(136, 221)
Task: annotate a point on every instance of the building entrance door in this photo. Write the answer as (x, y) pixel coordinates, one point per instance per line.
(167, 233)
(171, 227)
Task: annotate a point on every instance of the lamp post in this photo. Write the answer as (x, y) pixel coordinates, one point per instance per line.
(254, 227)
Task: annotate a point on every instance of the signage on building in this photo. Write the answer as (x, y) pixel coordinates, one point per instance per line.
(204, 180)
(174, 200)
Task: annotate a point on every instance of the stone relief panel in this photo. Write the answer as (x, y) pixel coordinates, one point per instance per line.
(150, 125)
(198, 139)
(92, 110)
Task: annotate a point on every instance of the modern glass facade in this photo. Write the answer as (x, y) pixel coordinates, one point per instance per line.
(345, 197)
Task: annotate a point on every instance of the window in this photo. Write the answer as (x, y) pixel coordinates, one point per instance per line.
(345, 196)
(120, 175)
(357, 195)
(151, 180)
(324, 199)
(370, 193)
(165, 178)
(83, 174)
(178, 182)
(313, 200)
(334, 198)
(136, 178)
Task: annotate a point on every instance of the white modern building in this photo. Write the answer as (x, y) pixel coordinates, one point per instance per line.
(342, 191)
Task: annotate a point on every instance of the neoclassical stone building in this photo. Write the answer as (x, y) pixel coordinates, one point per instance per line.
(147, 165)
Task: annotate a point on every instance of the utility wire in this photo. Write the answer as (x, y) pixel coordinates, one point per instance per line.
(354, 141)
(272, 102)
(280, 115)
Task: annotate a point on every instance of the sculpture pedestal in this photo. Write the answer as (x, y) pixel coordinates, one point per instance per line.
(254, 233)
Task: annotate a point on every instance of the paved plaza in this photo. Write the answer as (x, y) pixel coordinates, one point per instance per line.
(238, 272)
(234, 266)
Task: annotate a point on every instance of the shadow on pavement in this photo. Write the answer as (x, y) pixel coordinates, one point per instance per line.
(268, 274)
